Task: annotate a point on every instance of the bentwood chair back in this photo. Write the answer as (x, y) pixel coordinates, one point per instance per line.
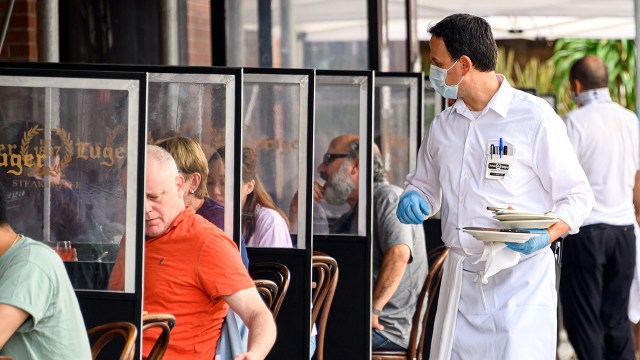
(430, 288)
(275, 273)
(108, 332)
(268, 290)
(325, 270)
(165, 322)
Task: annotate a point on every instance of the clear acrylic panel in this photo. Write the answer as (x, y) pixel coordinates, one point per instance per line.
(326, 34)
(341, 109)
(274, 148)
(66, 182)
(397, 123)
(201, 107)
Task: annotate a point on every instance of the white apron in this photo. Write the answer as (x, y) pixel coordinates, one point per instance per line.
(519, 321)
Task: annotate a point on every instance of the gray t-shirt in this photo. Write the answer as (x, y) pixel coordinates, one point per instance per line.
(388, 231)
(33, 278)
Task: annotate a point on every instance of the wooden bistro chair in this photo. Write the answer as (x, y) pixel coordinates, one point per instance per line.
(165, 322)
(109, 331)
(326, 279)
(430, 287)
(275, 273)
(268, 290)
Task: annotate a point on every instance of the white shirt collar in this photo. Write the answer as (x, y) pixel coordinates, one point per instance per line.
(498, 103)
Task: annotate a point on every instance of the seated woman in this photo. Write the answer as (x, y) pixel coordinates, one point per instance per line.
(263, 224)
(192, 164)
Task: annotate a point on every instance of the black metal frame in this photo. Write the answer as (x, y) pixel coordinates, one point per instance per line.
(166, 69)
(308, 250)
(142, 131)
(366, 304)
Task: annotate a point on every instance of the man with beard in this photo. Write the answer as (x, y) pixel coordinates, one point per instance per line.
(399, 254)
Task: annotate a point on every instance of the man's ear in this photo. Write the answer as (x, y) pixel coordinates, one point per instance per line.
(467, 64)
(180, 184)
(356, 165)
(576, 85)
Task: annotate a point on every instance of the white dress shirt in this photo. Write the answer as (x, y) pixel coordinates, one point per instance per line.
(605, 138)
(544, 174)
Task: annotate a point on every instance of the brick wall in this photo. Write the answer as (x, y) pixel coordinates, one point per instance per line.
(20, 44)
(199, 32)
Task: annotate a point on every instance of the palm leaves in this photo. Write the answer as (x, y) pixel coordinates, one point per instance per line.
(618, 55)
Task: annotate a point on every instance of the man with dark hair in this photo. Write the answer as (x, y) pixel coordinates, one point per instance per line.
(501, 147)
(39, 314)
(399, 260)
(598, 263)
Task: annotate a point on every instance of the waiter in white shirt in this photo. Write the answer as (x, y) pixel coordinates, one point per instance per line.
(598, 263)
(511, 315)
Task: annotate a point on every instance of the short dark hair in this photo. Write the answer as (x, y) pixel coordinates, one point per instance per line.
(591, 72)
(465, 34)
(3, 206)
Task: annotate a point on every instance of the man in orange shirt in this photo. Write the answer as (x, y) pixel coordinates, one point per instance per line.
(194, 271)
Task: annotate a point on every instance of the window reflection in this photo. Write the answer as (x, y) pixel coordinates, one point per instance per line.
(62, 177)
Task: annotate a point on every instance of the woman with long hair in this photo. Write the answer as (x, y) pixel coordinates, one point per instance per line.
(263, 223)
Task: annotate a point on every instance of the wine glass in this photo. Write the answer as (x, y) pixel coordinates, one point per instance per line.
(63, 248)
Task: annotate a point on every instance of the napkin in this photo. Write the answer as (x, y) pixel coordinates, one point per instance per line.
(497, 257)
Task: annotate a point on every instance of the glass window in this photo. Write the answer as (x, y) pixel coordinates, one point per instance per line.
(325, 34)
(397, 121)
(341, 114)
(201, 107)
(67, 182)
(274, 133)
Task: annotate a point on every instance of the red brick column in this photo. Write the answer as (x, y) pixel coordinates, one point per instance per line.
(199, 32)
(20, 44)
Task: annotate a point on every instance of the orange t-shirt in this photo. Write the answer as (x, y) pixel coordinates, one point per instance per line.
(186, 272)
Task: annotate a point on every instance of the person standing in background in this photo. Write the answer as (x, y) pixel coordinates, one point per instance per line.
(598, 263)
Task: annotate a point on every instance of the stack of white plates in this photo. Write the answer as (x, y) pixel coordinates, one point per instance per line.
(502, 235)
(525, 220)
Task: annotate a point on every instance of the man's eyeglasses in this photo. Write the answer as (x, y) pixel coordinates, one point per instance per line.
(329, 158)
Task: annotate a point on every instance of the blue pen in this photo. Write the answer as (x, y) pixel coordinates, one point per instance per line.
(500, 152)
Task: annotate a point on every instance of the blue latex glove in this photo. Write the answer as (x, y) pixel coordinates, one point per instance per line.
(412, 208)
(532, 245)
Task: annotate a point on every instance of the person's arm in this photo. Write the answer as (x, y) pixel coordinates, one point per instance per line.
(11, 318)
(254, 313)
(394, 263)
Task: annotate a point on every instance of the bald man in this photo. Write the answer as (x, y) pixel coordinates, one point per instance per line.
(399, 259)
(598, 262)
(194, 271)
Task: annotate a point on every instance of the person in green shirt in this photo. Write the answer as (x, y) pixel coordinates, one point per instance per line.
(39, 314)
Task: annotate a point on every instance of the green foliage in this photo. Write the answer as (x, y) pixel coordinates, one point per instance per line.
(618, 55)
(533, 75)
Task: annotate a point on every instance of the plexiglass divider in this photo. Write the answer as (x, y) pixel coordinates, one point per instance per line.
(275, 187)
(342, 220)
(398, 122)
(64, 178)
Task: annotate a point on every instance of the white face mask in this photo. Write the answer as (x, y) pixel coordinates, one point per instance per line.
(437, 77)
(587, 97)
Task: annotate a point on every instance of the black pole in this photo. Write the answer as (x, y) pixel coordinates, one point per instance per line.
(5, 22)
(218, 33)
(373, 14)
(264, 34)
